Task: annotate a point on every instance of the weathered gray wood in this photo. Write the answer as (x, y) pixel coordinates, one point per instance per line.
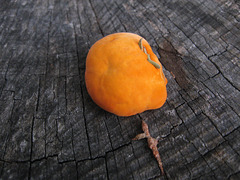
(51, 129)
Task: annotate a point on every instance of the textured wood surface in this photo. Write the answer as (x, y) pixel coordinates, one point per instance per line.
(51, 129)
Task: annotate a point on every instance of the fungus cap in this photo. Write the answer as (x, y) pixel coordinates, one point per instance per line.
(120, 77)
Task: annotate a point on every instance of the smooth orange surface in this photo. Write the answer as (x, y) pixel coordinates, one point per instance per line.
(120, 79)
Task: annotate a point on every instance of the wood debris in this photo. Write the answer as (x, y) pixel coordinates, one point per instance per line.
(152, 144)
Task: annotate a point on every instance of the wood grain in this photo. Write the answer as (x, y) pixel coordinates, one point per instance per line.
(50, 127)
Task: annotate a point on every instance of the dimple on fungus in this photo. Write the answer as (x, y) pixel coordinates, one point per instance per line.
(124, 76)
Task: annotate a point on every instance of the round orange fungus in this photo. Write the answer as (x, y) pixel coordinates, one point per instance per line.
(123, 75)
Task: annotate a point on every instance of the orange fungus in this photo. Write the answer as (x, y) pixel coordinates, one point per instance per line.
(124, 76)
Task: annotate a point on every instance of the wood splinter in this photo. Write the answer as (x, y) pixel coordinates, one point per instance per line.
(152, 144)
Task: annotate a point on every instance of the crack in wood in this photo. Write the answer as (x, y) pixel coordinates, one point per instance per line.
(43, 107)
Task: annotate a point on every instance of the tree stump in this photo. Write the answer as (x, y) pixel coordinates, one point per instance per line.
(50, 127)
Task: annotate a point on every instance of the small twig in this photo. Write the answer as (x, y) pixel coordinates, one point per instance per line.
(140, 136)
(172, 75)
(152, 144)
